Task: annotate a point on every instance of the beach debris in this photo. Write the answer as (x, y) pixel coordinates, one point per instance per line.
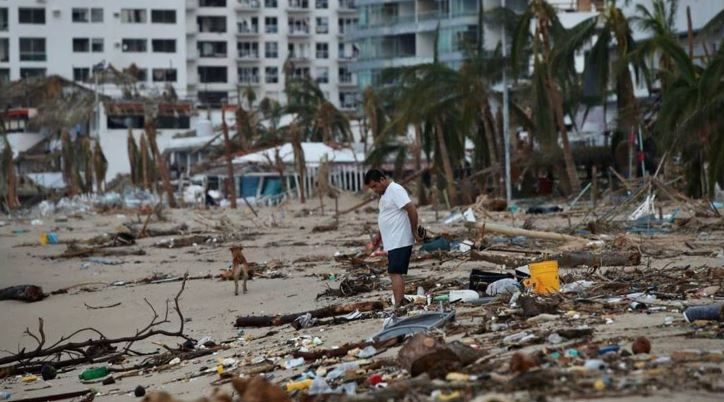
(26, 293)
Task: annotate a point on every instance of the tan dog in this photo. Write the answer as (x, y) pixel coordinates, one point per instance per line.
(239, 259)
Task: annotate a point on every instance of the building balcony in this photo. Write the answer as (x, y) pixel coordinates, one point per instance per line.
(347, 6)
(347, 82)
(248, 5)
(298, 6)
(253, 80)
(298, 33)
(247, 31)
(300, 58)
(248, 57)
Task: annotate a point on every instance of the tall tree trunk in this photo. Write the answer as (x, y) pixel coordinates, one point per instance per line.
(10, 176)
(557, 103)
(417, 155)
(628, 111)
(240, 119)
(299, 161)
(227, 154)
(88, 156)
(447, 166)
(489, 128)
(134, 159)
(160, 162)
(146, 172)
(100, 166)
(69, 173)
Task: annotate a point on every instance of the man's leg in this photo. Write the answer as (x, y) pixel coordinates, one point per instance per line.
(398, 288)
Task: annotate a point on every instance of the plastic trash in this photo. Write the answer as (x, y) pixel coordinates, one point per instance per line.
(452, 218)
(349, 388)
(469, 215)
(291, 363)
(594, 365)
(464, 295)
(52, 238)
(94, 373)
(554, 338)
(352, 316)
(710, 312)
(438, 243)
(577, 286)
(503, 286)
(374, 379)
(341, 369)
(5, 395)
(299, 385)
(367, 352)
(608, 349)
(319, 386)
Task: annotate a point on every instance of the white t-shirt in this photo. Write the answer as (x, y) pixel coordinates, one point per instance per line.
(393, 220)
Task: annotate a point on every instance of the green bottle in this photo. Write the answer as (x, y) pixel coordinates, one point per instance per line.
(94, 373)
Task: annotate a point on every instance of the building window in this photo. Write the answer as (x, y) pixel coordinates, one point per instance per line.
(249, 75)
(32, 49)
(322, 4)
(81, 74)
(31, 16)
(212, 74)
(31, 72)
(164, 75)
(133, 16)
(271, 50)
(270, 3)
(4, 75)
(212, 49)
(248, 50)
(322, 26)
(271, 75)
(80, 15)
(96, 15)
(321, 75)
(212, 24)
(173, 122)
(97, 45)
(348, 100)
(163, 45)
(134, 45)
(4, 50)
(300, 73)
(163, 16)
(298, 4)
(212, 98)
(346, 25)
(124, 121)
(81, 45)
(212, 3)
(345, 75)
(271, 25)
(298, 25)
(3, 19)
(322, 51)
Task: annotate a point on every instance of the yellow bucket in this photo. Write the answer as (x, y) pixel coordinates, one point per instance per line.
(43, 239)
(543, 277)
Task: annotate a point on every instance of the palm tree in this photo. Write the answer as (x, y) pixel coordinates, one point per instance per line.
(150, 128)
(134, 160)
(100, 166)
(10, 176)
(547, 82)
(70, 174)
(227, 153)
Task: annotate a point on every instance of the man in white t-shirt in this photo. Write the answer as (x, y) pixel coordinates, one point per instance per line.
(398, 228)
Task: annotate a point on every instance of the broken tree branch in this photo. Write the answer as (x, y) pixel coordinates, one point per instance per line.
(324, 312)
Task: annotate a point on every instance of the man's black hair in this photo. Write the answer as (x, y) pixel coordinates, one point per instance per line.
(373, 175)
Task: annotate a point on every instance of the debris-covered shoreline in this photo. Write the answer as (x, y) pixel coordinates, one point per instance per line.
(165, 319)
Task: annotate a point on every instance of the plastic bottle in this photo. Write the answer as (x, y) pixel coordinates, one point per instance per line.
(299, 385)
(94, 373)
(5, 395)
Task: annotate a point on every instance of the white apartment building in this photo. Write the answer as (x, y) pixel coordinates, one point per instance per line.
(69, 37)
(209, 50)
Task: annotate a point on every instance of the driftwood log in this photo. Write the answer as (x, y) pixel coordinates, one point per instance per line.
(566, 260)
(75, 251)
(324, 312)
(489, 227)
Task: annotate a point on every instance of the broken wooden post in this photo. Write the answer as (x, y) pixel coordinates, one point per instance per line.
(513, 231)
(324, 312)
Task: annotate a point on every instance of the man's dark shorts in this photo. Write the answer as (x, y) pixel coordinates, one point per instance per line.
(398, 260)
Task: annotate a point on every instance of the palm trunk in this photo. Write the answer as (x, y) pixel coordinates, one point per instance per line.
(299, 159)
(557, 102)
(626, 102)
(447, 166)
(489, 128)
(10, 177)
(239, 127)
(417, 155)
(145, 175)
(68, 164)
(100, 166)
(160, 163)
(227, 153)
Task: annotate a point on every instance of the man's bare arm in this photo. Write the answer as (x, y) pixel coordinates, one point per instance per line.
(412, 214)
